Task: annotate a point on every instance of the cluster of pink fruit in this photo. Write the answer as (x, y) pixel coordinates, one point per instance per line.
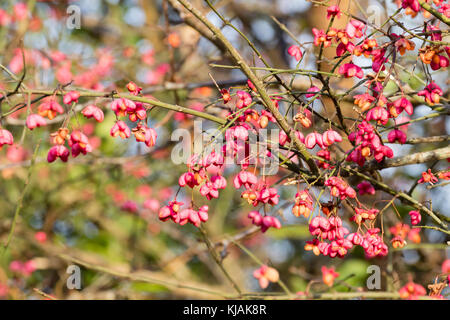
(136, 111)
(331, 229)
(339, 188)
(255, 192)
(328, 229)
(173, 211)
(367, 143)
(203, 172)
(78, 141)
(198, 174)
(265, 222)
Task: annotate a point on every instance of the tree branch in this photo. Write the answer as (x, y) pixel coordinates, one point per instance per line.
(434, 12)
(239, 60)
(420, 157)
(153, 102)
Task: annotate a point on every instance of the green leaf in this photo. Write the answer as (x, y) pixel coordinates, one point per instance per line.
(355, 267)
(289, 232)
